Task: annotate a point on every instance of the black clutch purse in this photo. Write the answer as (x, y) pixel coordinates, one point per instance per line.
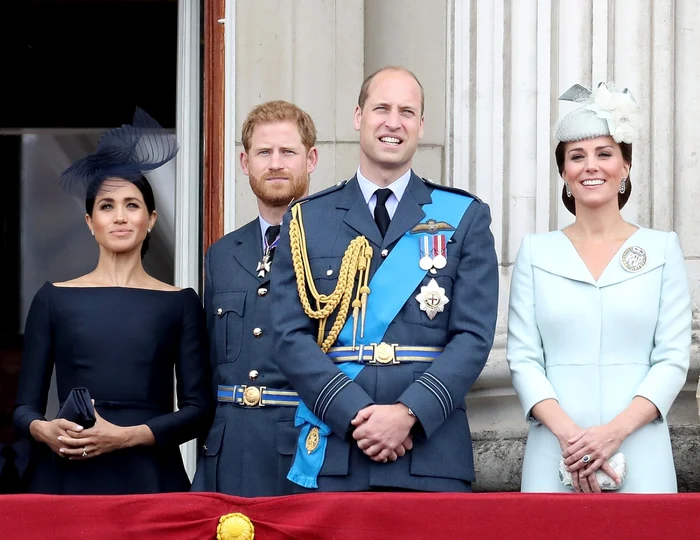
(78, 408)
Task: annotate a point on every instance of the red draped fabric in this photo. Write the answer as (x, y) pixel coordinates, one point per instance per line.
(356, 516)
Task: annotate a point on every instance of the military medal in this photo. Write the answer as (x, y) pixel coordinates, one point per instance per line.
(264, 265)
(633, 259)
(432, 299)
(312, 440)
(426, 261)
(440, 250)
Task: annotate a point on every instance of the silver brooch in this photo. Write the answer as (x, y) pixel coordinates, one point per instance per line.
(633, 259)
(432, 299)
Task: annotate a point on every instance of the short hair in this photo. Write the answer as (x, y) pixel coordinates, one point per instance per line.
(364, 89)
(622, 198)
(279, 111)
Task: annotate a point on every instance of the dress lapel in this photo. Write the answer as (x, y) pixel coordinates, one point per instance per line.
(248, 250)
(655, 252)
(358, 216)
(557, 255)
(409, 212)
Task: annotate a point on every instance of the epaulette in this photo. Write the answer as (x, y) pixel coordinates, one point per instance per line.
(450, 188)
(321, 193)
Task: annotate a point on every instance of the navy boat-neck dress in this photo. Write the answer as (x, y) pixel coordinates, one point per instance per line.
(124, 345)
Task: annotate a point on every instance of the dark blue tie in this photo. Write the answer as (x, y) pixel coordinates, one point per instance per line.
(271, 234)
(381, 214)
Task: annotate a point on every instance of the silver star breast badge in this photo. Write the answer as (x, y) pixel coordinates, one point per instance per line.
(432, 299)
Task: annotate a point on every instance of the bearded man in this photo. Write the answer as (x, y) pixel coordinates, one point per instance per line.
(250, 445)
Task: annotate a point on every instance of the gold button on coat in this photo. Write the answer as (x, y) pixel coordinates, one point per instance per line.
(262, 291)
(253, 374)
(257, 332)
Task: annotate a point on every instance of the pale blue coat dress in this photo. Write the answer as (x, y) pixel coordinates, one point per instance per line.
(594, 346)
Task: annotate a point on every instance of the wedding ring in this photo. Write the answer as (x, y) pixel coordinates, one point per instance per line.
(586, 458)
(84, 454)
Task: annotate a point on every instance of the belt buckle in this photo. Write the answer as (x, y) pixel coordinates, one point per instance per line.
(384, 353)
(252, 395)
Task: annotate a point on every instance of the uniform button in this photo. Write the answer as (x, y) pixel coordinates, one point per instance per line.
(385, 252)
(329, 272)
(253, 374)
(262, 291)
(257, 332)
(220, 312)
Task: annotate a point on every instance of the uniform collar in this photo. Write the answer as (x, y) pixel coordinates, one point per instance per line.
(263, 227)
(398, 186)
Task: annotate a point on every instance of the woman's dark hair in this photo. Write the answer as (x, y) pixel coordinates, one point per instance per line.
(622, 198)
(146, 190)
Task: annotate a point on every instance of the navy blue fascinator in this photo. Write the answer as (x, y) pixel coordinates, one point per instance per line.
(123, 153)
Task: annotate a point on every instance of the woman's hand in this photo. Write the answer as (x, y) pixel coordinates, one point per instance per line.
(565, 433)
(598, 443)
(52, 433)
(579, 482)
(102, 438)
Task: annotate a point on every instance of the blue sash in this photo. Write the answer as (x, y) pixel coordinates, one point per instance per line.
(391, 286)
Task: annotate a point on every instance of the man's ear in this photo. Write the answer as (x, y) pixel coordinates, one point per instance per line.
(311, 159)
(244, 163)
(357, 118)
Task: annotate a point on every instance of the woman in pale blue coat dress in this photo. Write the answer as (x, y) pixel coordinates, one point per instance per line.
(599, 319)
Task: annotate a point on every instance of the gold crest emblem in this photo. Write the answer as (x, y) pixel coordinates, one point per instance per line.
(312, 440)
(235, 526)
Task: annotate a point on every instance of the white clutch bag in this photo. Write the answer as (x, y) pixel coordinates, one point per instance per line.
(618, 462)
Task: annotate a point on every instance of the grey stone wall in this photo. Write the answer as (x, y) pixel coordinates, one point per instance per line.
(498, 458)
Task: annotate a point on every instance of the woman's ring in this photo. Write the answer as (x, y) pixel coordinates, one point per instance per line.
(85, 453)
(585, 458)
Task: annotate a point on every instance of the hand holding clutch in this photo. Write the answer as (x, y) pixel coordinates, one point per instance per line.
(78, 408)
(618, 462)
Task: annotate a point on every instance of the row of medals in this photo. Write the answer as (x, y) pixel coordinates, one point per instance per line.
(429, 245)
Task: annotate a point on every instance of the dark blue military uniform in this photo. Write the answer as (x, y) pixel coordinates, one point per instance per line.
(441, 459)
(250, 445)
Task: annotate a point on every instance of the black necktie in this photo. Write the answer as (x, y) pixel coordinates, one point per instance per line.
(9, 477)
(271, 234)
(381, 215)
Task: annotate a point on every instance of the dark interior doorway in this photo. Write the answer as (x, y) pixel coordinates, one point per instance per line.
(70, 64)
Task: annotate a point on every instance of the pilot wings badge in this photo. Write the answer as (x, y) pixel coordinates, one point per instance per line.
(432, 299)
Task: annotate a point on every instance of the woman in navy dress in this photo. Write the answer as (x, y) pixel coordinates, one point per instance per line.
(121, 334)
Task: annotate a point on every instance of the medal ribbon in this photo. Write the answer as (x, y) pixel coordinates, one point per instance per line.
(440, 245)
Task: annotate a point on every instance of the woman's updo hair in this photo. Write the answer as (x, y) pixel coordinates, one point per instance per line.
(146, 190)
(622, 198)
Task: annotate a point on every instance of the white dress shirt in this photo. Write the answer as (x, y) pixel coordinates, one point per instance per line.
(398, 187)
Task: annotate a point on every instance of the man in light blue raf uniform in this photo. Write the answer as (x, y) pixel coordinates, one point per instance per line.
(386, 292)
(250, 445)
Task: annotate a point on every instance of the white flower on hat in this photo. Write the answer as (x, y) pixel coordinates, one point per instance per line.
(619, 110)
